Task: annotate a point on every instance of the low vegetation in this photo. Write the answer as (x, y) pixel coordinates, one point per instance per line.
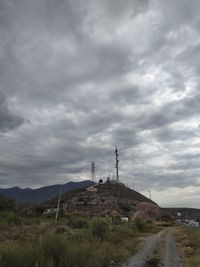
(188, 239)
(74, 241)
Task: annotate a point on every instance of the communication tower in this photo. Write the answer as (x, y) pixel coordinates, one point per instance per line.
(117, 164)
(93, 175)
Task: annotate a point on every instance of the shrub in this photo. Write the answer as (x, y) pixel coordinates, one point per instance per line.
(140, 224)
(99, 228)
(78, 222)
(55, 245)
(7, 204)
(54, 248)
(13, 254)
(13, 218)
(9, 218)
(151, 227)
(62, 229)
(146, 226)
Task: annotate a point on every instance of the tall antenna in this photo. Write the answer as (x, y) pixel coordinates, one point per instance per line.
(58, 205)
(93, 176)
(117, 164)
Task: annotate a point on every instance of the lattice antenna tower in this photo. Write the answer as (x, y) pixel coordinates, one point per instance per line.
(93, 174)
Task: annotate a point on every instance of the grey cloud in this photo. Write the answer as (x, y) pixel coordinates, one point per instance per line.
(8, 120)
(91, 75)
(189, 161)
(180, 12)
(145, 180)
(171, 112)
(167, 134)
(126, 137)
(140, 6)
(130, 95)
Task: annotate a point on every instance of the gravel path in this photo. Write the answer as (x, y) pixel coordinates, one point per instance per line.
(138, 260)
(169, 256)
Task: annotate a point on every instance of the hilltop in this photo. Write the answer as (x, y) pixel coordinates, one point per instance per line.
(107, 199)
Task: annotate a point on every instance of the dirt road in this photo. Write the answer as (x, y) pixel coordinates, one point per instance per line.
(167, 255)
(170, 256)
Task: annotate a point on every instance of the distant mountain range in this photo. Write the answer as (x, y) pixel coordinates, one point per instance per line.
(41, 194)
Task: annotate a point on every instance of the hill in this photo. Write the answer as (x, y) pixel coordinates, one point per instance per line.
(41, 194)
(186, 213)
(107, 199)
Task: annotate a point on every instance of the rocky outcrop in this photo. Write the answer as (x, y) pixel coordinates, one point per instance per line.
(111, 199)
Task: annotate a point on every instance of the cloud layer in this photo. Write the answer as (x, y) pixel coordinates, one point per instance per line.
(78, 77)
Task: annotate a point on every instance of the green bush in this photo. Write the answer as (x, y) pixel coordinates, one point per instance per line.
(13, 218)
(54, 248)
(140, 224)
(9, 218)
(13, 254)
(99, 228)
(62, 229)
(78, 222)
(56, 245)
(146, 226)
(7, 204)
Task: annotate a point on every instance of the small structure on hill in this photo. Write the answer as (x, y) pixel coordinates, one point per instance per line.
(124, 219)
(50, 211)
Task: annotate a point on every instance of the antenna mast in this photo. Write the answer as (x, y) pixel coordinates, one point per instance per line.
(93, 176)
(117, 164)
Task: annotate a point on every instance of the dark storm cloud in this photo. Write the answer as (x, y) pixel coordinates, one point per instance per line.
(89, 75)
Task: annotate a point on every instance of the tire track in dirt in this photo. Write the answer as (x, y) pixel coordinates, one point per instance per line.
(139, 259)
(170, 256)
(167, 252)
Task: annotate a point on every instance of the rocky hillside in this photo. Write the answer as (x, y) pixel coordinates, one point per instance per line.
(108, 199)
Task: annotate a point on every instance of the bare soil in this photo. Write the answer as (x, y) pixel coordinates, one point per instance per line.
(158, 250)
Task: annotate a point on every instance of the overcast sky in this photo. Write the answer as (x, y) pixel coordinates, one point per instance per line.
(79, 76)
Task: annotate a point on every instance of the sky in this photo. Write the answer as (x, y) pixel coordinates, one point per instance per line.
(78, 77)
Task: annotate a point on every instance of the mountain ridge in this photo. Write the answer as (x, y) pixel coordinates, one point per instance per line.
(41, 194)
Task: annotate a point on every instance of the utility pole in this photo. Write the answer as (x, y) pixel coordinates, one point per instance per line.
(93, 176)
(58, 205)
(117, 164)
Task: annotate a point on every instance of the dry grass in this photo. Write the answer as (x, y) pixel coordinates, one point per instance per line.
(95, 243)
(188, 240)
